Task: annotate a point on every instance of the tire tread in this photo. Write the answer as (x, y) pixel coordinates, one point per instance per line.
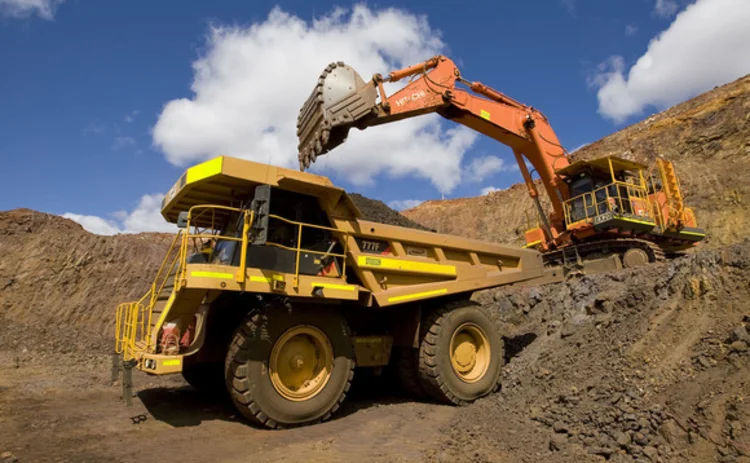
(430, 377)
(238, 381)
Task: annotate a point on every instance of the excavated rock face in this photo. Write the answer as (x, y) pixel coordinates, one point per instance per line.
(59, 284)
(648, 365)
(707, 137)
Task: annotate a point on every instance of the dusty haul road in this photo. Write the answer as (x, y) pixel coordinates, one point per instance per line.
(67, 410)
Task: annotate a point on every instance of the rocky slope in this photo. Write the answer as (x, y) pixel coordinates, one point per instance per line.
(59, 284)
(707, 137)
(649, 365)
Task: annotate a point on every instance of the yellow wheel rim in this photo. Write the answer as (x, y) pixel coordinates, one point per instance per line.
(470, 352)
(301, 363)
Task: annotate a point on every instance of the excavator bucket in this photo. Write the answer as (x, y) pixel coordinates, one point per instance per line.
(339, 100)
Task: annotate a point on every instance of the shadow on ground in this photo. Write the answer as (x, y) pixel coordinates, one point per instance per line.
(184, 406)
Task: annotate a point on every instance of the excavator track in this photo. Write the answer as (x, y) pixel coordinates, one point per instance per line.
(606, 248)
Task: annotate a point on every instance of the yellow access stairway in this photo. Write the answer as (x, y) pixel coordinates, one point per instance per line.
(137, 321)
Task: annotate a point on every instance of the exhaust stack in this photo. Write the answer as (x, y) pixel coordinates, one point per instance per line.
(339, 100)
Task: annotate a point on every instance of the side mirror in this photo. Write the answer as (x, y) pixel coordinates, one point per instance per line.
(182, 219)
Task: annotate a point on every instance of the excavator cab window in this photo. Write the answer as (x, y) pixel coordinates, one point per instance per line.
(599, 193)
(581, 206)
(581, 185)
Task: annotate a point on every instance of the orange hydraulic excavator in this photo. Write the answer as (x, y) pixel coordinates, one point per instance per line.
(607, 208)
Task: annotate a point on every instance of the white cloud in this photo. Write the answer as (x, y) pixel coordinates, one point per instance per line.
(120, 215)
(24, 8)
(94, 224)
(483, 167)
(665, 8)
(403, 204)
(123, 142)
(251, 81)
(146, 217)
(94, 129)
(702, 48)
(631, 30)
(488, 190)
(129, 118)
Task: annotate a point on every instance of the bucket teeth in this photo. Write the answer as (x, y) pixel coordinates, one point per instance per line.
(339, 99)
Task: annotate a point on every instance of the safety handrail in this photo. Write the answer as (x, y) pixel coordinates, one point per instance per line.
(154, 293)
(590, 200)
(130, 317)
(532, 223)
(201, 209)
(677, 213)
(298, 249)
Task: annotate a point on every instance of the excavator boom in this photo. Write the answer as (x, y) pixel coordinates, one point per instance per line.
(342, 100)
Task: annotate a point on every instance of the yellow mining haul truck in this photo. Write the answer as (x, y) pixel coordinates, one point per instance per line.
(276, 289)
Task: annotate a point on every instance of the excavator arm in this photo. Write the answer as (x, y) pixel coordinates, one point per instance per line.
(342, 100)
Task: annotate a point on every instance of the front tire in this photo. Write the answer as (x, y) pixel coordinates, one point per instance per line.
(290, 366)
(460, 354)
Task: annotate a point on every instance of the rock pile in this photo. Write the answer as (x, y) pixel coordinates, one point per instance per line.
(646, 365)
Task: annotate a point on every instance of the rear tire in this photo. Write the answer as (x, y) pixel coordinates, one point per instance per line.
(289, 366)
(460, 354)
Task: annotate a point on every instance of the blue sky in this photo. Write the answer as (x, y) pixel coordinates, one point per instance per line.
(104, 104)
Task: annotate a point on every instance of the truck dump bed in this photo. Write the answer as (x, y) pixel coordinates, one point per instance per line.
(375, 263)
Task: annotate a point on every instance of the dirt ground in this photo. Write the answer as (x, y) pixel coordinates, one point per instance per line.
(68, 410)
(648, 365)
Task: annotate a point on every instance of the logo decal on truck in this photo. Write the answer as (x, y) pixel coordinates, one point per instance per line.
(373, 246)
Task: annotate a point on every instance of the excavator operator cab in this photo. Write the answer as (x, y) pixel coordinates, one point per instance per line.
(607, 193)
